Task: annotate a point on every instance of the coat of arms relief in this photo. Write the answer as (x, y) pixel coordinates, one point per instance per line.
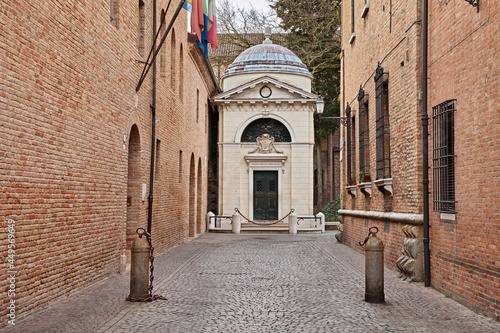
(265, 145)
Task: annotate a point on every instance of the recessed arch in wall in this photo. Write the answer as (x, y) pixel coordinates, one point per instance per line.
(192, 197)
(283, 132)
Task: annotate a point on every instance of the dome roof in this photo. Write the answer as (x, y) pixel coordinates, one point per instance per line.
(267, 57)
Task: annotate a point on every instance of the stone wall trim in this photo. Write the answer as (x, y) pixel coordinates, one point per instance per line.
(416, 219)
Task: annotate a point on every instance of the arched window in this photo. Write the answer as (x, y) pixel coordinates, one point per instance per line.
(181, 74)
(142, 27)
(114, 12)
(172, 60)
(269, 126)
(163, 52)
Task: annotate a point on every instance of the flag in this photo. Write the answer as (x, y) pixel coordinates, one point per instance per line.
(203, 44)
(212, 24)
(197, 23)
(188, 5)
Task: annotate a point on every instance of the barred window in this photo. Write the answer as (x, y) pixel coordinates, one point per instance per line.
(364, 138)
(383, 136)
(350, 147)
(443, 161)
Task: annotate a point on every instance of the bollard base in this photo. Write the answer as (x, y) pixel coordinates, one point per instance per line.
(374, 298)
(149, 298)
(139, 298)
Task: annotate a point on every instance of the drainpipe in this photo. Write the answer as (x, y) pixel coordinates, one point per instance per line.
(425, 144)
(153, 127)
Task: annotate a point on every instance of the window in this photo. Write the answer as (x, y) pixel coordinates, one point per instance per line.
(158, 161)
(364, 12)
(181, 74)
(206, 118)
(114, 11)
(364, 138)
(197, 105)
(142, 27)
(172, 60)
(443, 159)
(180, 166)
(269, 126)
(353, 21)
(350, 147)
(383, 137)
(163, 52)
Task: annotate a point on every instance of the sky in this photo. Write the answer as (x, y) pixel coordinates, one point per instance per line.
(262, 5)
(258, 4)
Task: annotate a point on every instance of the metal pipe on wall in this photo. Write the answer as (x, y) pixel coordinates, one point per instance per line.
(153, 126)
(425, 144)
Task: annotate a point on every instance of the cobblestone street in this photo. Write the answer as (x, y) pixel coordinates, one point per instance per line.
(258, 283)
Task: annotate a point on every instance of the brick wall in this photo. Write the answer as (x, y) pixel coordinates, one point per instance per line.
(67, 102)
(389, 37)
(464, 66)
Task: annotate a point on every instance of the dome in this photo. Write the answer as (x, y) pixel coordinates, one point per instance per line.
(267, 57)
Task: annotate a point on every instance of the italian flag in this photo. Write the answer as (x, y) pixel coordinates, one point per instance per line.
(212, 24)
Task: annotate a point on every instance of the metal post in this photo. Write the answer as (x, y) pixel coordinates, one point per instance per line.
(153, 127)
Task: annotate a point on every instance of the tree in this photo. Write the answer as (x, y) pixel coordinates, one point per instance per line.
(240, 28)
(313, 34)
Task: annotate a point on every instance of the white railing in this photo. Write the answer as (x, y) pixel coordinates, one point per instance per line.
(300, 223)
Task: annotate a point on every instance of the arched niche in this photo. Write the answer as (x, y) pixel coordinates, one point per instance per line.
(273, 125)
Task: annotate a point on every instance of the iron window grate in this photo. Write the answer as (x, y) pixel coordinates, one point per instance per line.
(364, 139)
(350, 147)
(443, 159)
(383, 136)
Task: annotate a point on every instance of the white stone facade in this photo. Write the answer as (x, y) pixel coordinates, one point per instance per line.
(240, 106)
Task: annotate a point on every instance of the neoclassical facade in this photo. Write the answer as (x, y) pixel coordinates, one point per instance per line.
(266, 134)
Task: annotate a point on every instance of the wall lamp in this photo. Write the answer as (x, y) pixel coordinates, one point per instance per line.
(320, 106)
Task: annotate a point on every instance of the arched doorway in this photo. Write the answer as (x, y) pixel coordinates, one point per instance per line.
(199, 213)
(133, 185)
(192, 198)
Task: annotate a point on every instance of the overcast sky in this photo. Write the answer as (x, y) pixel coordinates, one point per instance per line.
(258, 4)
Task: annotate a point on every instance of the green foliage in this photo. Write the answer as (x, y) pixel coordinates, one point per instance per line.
(313, 34)
(331, 210)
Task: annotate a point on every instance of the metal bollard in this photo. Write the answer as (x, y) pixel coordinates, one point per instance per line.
(236, 223)
(292, 223)
(374, 267)
(139, 272)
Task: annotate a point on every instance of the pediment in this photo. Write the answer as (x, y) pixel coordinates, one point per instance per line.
(265, 88)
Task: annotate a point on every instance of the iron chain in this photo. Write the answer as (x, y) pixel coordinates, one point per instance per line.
(151, 268)
(265, 223)
(370, 233)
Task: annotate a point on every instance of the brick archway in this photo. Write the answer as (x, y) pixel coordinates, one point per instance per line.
(192, 198)
(199, 213)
